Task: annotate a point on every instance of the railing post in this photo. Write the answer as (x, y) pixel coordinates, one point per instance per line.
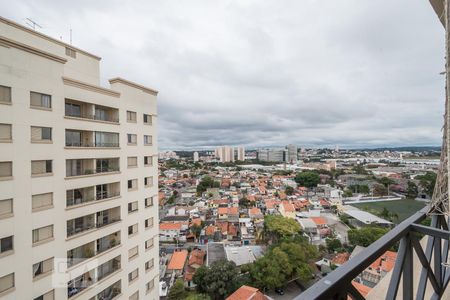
(408, 269)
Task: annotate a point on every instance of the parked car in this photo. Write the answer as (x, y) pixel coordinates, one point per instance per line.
(279, 291)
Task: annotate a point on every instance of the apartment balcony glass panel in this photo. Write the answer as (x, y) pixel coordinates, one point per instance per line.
(81, 224)
(80, 283)
(79, 167)
(81, 253)
(109, 293)
(108, 216)
(90, 111)
(108, 242)
(108, 268)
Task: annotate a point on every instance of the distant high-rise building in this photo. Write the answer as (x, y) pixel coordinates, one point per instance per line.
(196, 156)
(292, 153)
(275, 155)
(240, 153)
(225, 153)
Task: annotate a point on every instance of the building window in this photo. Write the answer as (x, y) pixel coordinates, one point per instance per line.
(149, 223)
(71, 52)
(73, 110)
(148, 160)
(132, 184)
(41, 134)
(148, 181)
(149, 243)
(41, 167)
(5, 94)
(131, 116)
(149, 264)
(50, 295)
(5, 133)
(42, 234)
(132, 161)
(133, 275)
(106, 139)
(133, 229)
(132, 139)
(5, 169)
(43, 267)
(6, 244)
(6, 207)
(133, 252)
(147, 119)
(41, 201)
(132, 207)
(148, 201)
(40, 100)
(135, 296)
(148, 140)
(150, 285)
(6, 282)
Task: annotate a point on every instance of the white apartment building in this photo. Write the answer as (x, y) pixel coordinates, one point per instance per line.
(240, 153)
(225, 154)
(292, 153)
(78, 175)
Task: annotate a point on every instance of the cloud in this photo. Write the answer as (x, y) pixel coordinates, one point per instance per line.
(268, 73)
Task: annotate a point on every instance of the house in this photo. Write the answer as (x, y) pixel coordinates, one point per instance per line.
(196, 260)
(247, 293)
(177, 262)
(240, 255)
(255, 213)
(287, 210)
(379, 268)
(170, 231)
(222, 213)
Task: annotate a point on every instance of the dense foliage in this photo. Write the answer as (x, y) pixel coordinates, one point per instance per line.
(177, 291)
(366, 235)
(307, 179)
(205, 183)
(277, 228)
(218, 280)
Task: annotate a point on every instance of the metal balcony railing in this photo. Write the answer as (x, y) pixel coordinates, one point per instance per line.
(105, 118)
(91, 144)
(338, 284)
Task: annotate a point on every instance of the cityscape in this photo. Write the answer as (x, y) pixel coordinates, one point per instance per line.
(197, 151)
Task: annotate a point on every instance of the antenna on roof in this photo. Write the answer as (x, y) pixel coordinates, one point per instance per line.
(32, 23)
(71, 35)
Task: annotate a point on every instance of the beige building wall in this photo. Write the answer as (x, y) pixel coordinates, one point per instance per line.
(30, 62)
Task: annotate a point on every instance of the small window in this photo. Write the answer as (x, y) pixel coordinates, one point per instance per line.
(131, 116)
(132, 161)
(135, 296)
(149, 243)
(149, 264)
(5, 132)
(133, 275)
(133, 229)
(5, 94)
(132, 184)
(71, 52)
(5, 169)
(6, 207)
(42, 234)
(148, 181)
(132, 139)
(150, 285)
(6, 282)
(41, 201)
(41, 134)
(43, 267)
(148, 140)
(148, 160)
(41, 167)
(132, 207)
(148, 201)
(147, 119)
(133, 252)
(50, 295)
(6, 244)
(40, 100)
(149, 223)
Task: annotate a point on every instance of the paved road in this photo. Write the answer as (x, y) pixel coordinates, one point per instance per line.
(338, 226)
(291, 291)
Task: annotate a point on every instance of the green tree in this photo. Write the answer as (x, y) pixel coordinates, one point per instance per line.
(196, 230)
(278, 228)
(177, 291)
(333, 244)
(359, 169)
(289, 190)
(412, 191)
(366, 235)
(218, 281)
(205, 183)
(308, 179)
(347, 193)
(244, 202)
(198, 297)
(379, 190)
(386, 181)
(427, 182)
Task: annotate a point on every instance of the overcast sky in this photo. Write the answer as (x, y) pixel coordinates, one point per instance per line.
(267, 73)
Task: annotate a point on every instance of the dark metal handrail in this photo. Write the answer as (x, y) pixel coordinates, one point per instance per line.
(338, 284)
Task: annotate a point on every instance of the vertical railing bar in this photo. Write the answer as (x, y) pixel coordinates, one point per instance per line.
(408, 269)
(397, 272)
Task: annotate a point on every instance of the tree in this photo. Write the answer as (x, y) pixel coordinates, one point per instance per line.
(196, 230)
(278, 228)
(359, 169)
(308, 179)
(412, 191)
(289, 190)
(244, 202)
(366, 235)
(205, 183)
(333, 244)
(219, 280)
(386, 181)
(198, 297)
(427, 182)
(347, 193)
(177, 291)
(379, 190)
(388, 215)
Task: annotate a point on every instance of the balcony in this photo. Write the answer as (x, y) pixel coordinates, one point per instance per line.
(93, 193)
(81, 167)
(414, 267)
(87, 279)
(93, 221)
(91, 139)
(110, 292)
(89, 111)
(91, 249)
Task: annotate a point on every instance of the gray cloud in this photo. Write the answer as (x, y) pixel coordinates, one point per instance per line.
(267, 73)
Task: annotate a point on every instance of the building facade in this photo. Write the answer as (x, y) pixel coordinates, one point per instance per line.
(78, 175)
(292, 153)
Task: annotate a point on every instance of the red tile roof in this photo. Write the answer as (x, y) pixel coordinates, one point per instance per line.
(197, 257)
(177, 260)
(170, 226)
(364, 290)
(319, 220)
(247, 293)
